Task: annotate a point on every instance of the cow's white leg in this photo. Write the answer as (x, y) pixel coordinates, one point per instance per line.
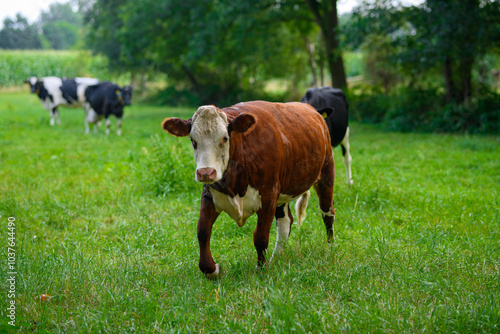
(283, 225)
(108, 125)
(347, 156)
(119, 126)
(57, 118)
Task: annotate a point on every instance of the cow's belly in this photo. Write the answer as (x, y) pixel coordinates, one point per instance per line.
(238, 208)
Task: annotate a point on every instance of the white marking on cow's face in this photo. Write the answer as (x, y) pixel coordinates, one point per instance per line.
(32, 80)
(238, 208)
(210, 139)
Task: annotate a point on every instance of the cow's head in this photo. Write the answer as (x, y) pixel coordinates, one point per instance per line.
(209, 130)
(326, 112)
(127, 95)
(34, 83)
(124, 95)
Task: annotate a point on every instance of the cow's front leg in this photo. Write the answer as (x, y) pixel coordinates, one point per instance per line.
(208, 215)
(108, 125)
(119, 126)
(261, 234)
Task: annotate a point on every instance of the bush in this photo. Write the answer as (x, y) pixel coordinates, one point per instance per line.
(424, 110)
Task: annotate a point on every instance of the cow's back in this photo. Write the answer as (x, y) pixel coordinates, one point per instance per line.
(287, 147)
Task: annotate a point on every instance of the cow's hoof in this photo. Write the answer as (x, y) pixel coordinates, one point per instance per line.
(350, 182)
(215, 274)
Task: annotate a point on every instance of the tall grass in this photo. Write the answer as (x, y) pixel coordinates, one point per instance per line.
(17, 66)
(107, 228)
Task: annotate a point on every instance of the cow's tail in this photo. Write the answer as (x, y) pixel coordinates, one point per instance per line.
(301, 206)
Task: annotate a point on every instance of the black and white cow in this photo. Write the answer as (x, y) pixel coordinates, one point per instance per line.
(103, 100)
(332, 104)
(54, 91)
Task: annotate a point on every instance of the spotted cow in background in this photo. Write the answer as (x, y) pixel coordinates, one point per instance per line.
(332, 104)
(54, 92)
(256, 157)
(103, 100)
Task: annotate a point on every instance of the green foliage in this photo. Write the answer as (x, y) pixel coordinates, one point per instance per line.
(19, 34)
(17, 66)
(379, 61)
(60, 26)
(103, 231)
(425, 110)
(61, 35)
(232, 48)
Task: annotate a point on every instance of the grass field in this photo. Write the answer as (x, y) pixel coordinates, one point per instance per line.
(106, 226)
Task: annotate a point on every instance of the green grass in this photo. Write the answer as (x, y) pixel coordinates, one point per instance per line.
(106, 225)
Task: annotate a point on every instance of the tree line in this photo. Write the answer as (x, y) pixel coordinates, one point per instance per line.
(439, 54)
(57, 28)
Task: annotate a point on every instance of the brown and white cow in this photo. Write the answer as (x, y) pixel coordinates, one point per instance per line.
(256, 157)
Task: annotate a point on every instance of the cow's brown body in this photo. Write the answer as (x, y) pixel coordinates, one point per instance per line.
(285, 152)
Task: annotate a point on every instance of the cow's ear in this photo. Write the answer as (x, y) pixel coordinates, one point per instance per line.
(241, 123)
(325, 112)
(177, 127)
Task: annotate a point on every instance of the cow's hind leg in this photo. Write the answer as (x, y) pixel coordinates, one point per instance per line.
(346, 153)
(284, 221)
(324, 189)
(53, 115)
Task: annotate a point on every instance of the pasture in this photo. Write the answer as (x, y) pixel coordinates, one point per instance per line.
(106, 226)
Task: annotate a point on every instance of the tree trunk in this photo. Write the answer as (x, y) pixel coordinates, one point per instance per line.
(466, 79)
(448, 79)
(312, 61)
(325, 14)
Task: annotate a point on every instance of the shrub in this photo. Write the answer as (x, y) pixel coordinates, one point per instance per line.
(424, 110)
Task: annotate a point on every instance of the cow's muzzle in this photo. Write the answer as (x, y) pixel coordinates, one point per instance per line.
(207, 175)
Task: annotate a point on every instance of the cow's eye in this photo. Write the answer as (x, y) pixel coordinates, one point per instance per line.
(224, 140)
(195, 145)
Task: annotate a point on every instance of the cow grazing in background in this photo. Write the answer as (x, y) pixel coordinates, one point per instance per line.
(333, 106)
(54, 91)
(103, 100)
(256, 157)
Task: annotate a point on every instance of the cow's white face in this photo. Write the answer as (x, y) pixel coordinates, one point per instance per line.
(210, 140)
(209, 130)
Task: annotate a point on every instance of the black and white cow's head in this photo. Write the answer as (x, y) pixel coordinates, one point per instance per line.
(34, 83)
(37, 87)
(209, 130)
(124, 95)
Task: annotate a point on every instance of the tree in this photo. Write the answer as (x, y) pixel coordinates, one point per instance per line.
(447, 36)
(60, 25)
(326, 17)
(19, 34)
(220, 50)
